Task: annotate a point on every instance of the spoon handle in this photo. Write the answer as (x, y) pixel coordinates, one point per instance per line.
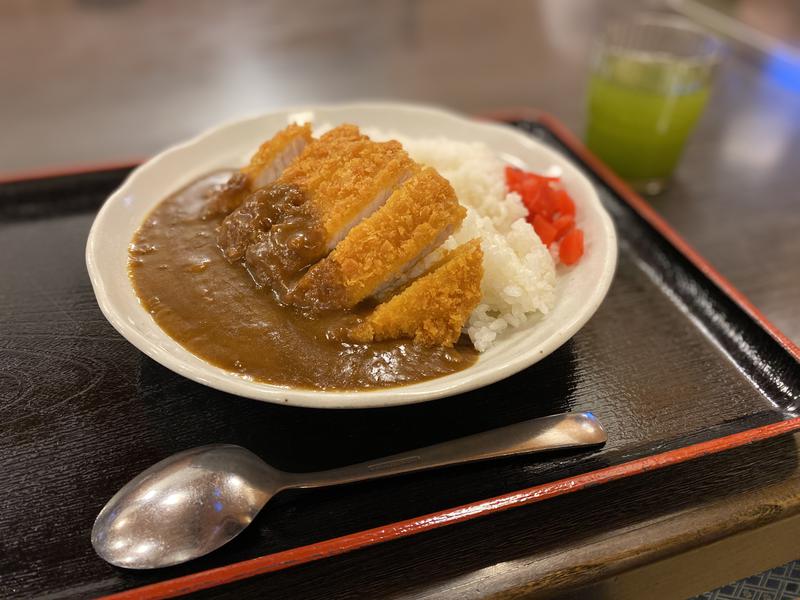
(567, 430)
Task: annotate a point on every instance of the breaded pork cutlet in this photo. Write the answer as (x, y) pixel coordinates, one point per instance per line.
(343, 178)
(269, 161)
(417, 217)
(432, 309)
(274, 155)
(346, 177)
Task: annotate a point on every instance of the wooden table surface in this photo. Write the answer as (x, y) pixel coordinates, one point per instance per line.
(91, 80)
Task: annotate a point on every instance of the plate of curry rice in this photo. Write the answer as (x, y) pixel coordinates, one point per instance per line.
(352, 256)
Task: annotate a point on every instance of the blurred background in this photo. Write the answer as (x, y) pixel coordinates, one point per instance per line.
(88, 80)
(92, 81)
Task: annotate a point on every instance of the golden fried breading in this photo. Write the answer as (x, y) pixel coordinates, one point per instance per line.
(346, 177)
(433, 308)
(271, 158)
(274, 155)
(320, 160)
(417, 217)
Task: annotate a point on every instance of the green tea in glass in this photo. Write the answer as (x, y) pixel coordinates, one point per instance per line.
(650, 81)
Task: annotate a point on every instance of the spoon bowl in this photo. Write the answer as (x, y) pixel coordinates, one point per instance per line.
(183, 507)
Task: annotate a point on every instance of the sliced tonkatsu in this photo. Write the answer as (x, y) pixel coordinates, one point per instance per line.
(335, 182)
(433, 308)
(274, 155)
(268, 162)
(417, 218)
(346, 177)
(346, 219)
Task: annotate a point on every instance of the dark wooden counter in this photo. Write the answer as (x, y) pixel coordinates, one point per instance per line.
(86, 81)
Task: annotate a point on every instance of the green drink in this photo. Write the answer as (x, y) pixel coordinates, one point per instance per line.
(644, 101)
(640, 134)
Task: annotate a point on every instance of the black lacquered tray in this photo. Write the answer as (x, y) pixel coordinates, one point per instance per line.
(675, 364)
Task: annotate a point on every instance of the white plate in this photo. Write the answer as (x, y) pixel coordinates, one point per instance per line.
(580, 290)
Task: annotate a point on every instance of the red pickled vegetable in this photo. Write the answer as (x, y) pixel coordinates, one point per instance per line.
(542, 178)
(563, 224)
(551, 211)
(564, 204)
(571, 248)
(513, 177)
(546, 203)
(544, 229)
(529, 189)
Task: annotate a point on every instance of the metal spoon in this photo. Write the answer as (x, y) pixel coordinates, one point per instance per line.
(195, 501)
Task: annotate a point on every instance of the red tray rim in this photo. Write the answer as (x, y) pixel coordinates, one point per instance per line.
(304, 554)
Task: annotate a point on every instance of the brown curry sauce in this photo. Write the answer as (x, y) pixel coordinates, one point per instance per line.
(217, 311)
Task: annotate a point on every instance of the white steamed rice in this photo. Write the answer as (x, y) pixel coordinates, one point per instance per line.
(519, 272)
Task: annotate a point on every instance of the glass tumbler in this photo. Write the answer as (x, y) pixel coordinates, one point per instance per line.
(650, 81)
